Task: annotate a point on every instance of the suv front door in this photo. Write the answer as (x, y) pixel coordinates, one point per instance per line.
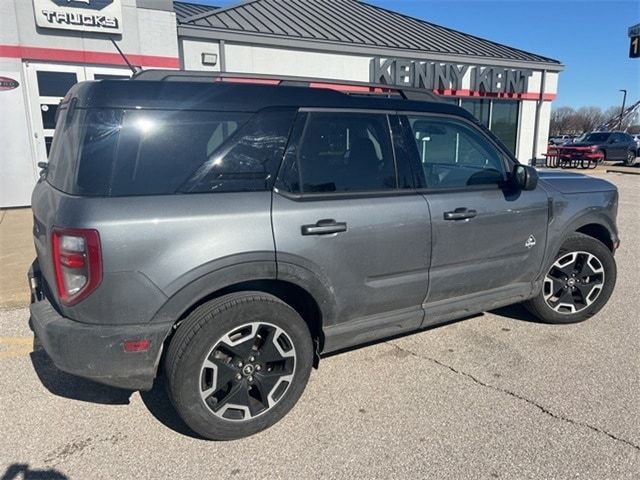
(347, 217)
(488, 241)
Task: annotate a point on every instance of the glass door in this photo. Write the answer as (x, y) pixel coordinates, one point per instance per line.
(47, 85)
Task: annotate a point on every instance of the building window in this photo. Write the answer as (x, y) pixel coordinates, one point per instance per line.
(479, 108)
(504, 122)
(55, 84)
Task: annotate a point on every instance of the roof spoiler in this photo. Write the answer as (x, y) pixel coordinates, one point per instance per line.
(344, 86)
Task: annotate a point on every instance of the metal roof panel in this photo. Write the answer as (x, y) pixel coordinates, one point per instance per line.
(353, 22)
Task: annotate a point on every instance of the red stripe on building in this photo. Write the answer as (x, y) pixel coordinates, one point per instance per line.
(513, 96)
(85, 57)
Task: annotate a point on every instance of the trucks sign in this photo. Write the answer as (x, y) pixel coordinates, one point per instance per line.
(102, 16)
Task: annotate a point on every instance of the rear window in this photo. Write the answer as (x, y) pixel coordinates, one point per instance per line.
(114, 152)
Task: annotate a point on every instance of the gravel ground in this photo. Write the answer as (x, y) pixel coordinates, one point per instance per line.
(495, 396)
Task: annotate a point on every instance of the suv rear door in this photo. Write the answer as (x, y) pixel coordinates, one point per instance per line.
(346, 215)
(487, 242)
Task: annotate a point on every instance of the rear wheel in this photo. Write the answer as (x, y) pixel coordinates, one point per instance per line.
(238, 364)
(578, 283)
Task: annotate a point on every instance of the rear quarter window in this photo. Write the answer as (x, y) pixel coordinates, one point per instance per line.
(112, 152)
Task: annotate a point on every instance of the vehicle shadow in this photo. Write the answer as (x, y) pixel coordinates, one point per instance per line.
(69, 386)
(157, 402)
(516, 312)
(22, 471)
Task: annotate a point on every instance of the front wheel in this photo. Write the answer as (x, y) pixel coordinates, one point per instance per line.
(578, 283)
(238, 364)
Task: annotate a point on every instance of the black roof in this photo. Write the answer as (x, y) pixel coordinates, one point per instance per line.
(186, 10)
(352, 22)
(237, 97)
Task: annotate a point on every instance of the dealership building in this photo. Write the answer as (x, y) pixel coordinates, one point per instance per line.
(48, 45)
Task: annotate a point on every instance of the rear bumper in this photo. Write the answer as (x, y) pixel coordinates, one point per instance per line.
(97, 352)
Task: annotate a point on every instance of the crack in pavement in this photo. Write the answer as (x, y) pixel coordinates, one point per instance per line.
(543, 409)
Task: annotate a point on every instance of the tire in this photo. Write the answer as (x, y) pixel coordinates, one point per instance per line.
(205, 376)
(630, 159)
(589, 290)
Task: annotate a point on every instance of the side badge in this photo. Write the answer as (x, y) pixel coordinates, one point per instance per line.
(531, 241)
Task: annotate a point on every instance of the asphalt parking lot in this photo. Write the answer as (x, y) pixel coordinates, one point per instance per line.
(494, 396)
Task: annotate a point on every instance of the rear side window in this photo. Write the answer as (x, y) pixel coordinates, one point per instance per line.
(249, 160)
(111, 152)
(341, 152)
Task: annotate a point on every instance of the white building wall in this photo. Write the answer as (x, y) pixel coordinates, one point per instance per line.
(191, 54)
(526, 131)
(18, 171)
(147, 32)
(280, 61)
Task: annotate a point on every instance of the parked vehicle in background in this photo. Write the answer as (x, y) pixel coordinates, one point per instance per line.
(229, 234)
(636, 138)
(612, 146)
(560, 140)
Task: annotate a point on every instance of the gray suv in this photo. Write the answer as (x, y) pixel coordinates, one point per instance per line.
(230, 234)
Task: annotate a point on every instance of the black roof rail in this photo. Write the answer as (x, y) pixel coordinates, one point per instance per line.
(345, 86)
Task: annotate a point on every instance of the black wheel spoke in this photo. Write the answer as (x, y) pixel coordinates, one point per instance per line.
(238, 351)
(238, 395)
(566, 297)
(268, 351)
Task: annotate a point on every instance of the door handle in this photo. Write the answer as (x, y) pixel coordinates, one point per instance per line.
(324, 227)
(460, 214)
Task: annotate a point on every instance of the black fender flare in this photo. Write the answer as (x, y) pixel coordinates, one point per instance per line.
(598, 217)
(204, 281)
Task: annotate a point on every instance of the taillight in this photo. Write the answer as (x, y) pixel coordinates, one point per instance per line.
(77, 261)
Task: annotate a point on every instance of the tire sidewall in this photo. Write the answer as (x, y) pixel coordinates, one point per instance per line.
(184, 384)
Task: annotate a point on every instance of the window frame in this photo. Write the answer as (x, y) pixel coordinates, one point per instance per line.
(319, 196)
(508, 161)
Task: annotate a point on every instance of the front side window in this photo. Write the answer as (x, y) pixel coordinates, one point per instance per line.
(342, 152)
(455, 155)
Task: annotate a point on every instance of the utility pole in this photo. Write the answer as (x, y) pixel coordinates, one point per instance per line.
(624, 100)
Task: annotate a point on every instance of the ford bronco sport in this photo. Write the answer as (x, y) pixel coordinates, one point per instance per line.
(230, 234)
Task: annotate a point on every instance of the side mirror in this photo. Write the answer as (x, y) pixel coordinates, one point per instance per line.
(525, 177)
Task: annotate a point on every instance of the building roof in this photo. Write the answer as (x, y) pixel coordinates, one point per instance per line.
(186, 10)
(352, 22)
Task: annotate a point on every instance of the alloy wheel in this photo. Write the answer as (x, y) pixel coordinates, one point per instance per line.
(248, 371)
(573, 282)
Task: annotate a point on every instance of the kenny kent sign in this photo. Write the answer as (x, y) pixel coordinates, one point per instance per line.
(448, 76)
(103, 16)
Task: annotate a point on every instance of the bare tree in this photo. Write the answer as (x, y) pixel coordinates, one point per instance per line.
(589, 118)
(561, 121)
(568, 121)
